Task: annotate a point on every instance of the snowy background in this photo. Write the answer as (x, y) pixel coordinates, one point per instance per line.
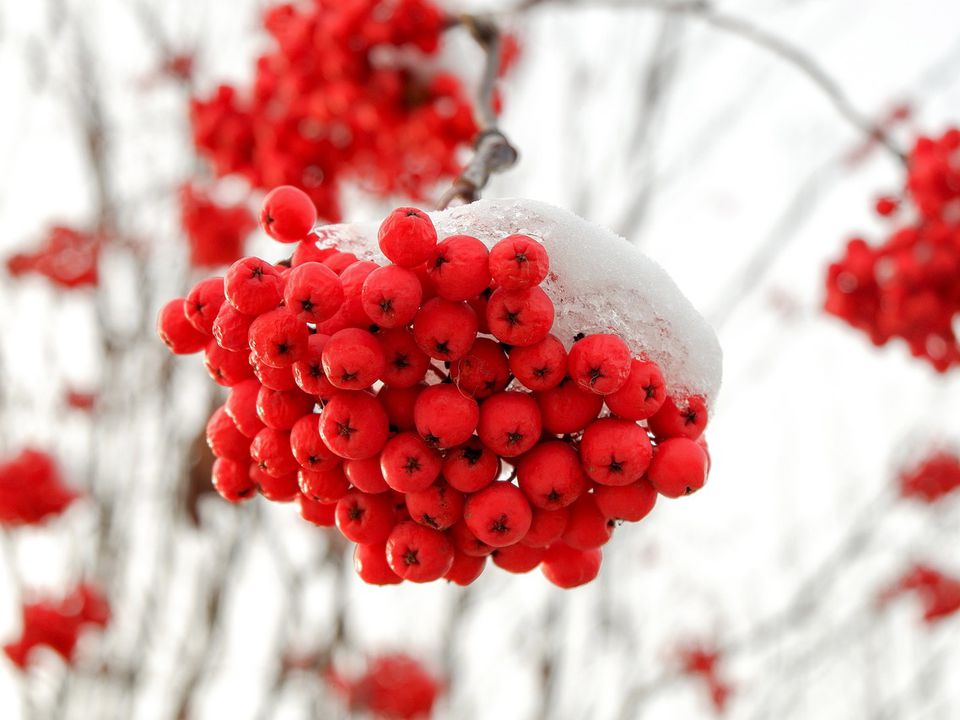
(726, 165)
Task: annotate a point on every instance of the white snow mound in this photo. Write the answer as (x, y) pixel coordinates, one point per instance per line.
(598, 282)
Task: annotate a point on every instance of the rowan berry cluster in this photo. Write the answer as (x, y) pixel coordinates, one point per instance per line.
(342, 96)
(703, 663)
(906, 286)
(31, 489)
(432, 374)
(931, 479)
(66, 256)
(215, 232)
(395, 687)
(58, 623)
(938, 592)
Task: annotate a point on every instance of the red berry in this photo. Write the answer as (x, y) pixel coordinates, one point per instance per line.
(886, 206)
(253, 286)
(418, 553)
(340, 261)
(518, 262)
(520, 317)
(407, 237)
(280, 488)
(641, 395)
(227, 368)
(352, 359)
(518, 558)
(438, 506)
(568, 408)
(225, 440)
(288, 214)
(551, 476)
(540, 366)
(471, 467)
(459, 268)
(363, 518)
(546, 527)
(278, 338)
(280, 409)
(320, 514)
(587, 526)
(687, 419)
(405, 364)
(499, 515)
(175, 330)
(203, 303)
(465, 568)
(468, 543)
(307, 251)
(631, 503)
(231, 328)
(271, 453)
(509, 423)
(325, 486)
(370, 562)
(445, 330)
(399, 404)
(354, 425)
(679, 467)
(308, 447)
(569, 568)
(444, 416)
(391, 296)
(232, 480)
(600, 363)
(308, 370)
(271, 377)
(615, 452)
(313, 292)
(365, 475)
(241, 406)
(482, 371)
(408, 463)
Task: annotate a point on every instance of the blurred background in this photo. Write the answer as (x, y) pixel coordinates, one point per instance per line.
(739, 144)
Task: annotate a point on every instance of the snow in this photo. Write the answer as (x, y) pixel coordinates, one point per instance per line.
(598, 282)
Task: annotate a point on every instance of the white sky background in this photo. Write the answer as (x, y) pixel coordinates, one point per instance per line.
(742, 152)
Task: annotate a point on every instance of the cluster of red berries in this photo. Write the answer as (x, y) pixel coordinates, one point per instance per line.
(395, 687)
(342, 96)
(57, 624)
(907, 286)
(703, 663)
(31, 489)
(938, 592)
(66, 256)
(934, 477)
(431, 373)
(215, 232)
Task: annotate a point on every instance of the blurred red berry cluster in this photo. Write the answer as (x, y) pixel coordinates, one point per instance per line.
(31, 489)
(938, 592)
(701, 662)
(342, 95)
(392, 686)
(908, 285)
(215, 232)
(932, 478)
(66, 256)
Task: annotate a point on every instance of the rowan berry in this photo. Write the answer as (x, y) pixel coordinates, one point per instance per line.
(551, 476)
(459, 268)
(470, 467)
(510, 423)
(407, 237)
(631, 503)
(399, 404)
(391, 296)
(280, 488)
(465, 568)
(520, 317)
(288, 214)
(600, 363)
(567, 567)
(340, 261)
(546, 527)
(587, 526)
(540, 366)
(272, 454)
(370, 563)
(203, 303)
(320, 514)
(364, 518)
(241, 406)
(642, 395)
(308, 370)
(181, 337)
(499, 515)
(568, 408)
(231, 328)
(324, 486)
(444, 416)
(445, 330)
(679, 467)
(278, 338)
(518, 558)
(418, 553)
(227, 368)
(274, 378)
(438, 506)
(408, 463)
(615, 452)
(307, 446)
(280, 409)
(313, 292)
(307, 251)
(231, 479)
(686, 419)
(352, 359)
(466, 542)
(225, 440)
(483, 371)
(405, 364)
(351, 312)
(354, 425)
(518, 262)
(253, 286)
